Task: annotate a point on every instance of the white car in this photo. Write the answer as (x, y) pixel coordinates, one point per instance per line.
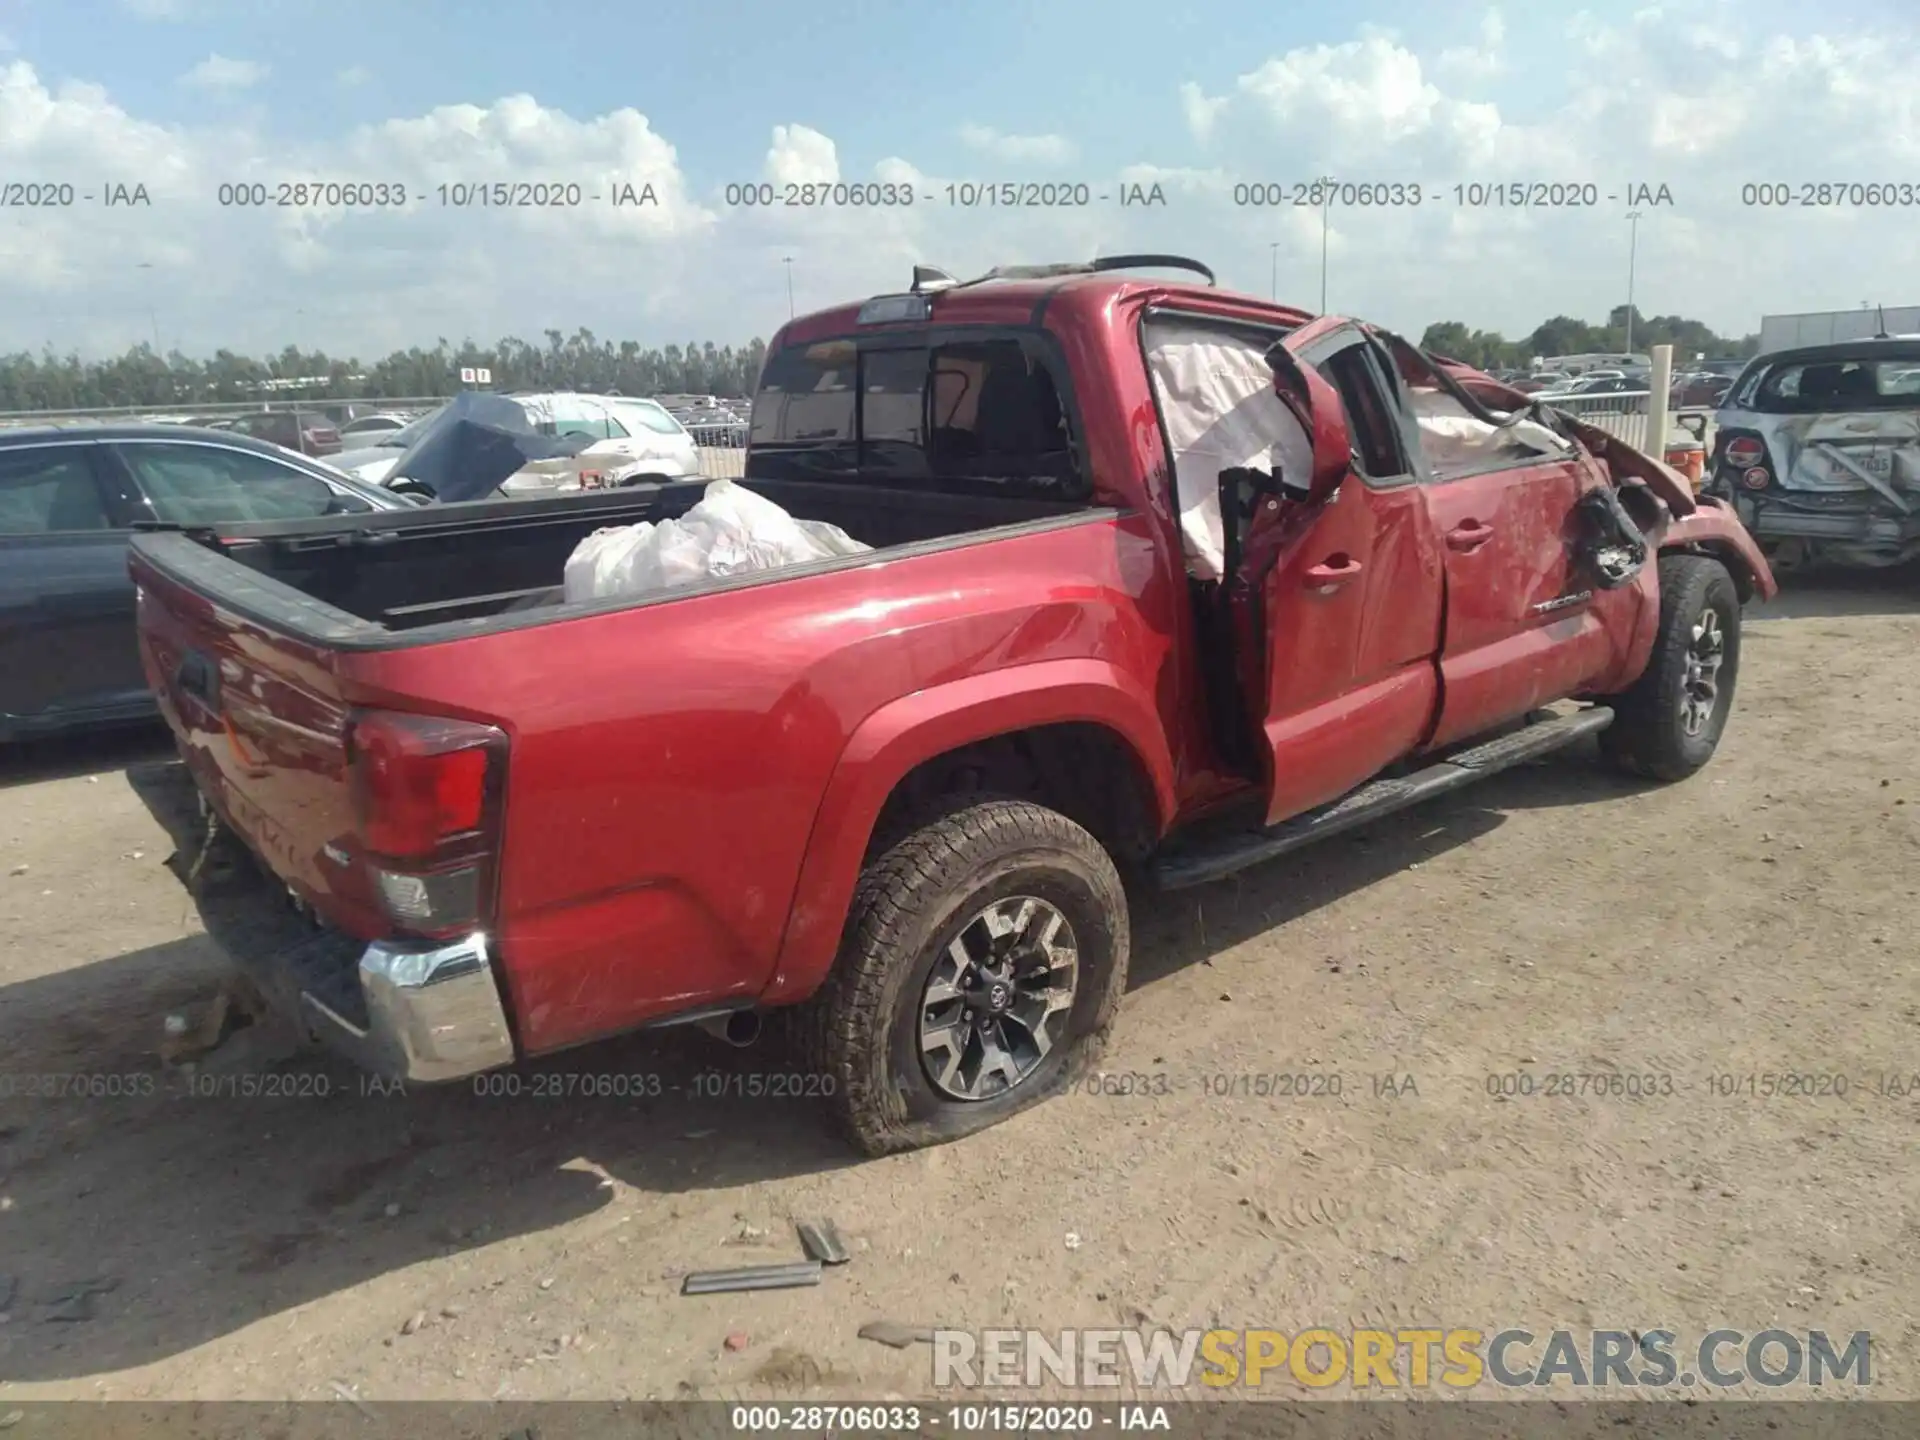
(633, 439)
(1818, 451)
(368, 426)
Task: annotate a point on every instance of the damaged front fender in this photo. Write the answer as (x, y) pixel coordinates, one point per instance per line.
(1713, 529)
(1668, 515)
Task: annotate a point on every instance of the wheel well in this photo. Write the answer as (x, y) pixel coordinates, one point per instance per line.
(1085, 771)
(1727, 555)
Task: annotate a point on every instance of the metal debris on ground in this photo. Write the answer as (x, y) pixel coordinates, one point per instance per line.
(752, 1277)
(821, 1240)
(347, 1393)
(899, 1336)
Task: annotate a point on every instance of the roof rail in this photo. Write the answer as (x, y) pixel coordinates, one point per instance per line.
(1099, 265)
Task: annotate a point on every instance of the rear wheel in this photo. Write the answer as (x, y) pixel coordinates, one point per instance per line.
(1668, 724)
(985, 957)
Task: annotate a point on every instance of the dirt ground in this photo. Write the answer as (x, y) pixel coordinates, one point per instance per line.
(442, 1244)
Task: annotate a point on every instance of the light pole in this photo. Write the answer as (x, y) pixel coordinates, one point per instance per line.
(153, 317)
(787, 260)
(1326, 215)
(1633, 248)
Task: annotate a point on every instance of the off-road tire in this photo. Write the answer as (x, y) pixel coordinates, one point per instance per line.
(1647, 736)
(859, 1032)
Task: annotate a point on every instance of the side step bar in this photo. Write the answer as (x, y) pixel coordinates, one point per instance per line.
(1222, 857)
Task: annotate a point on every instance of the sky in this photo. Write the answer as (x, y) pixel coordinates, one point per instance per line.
(653, 126)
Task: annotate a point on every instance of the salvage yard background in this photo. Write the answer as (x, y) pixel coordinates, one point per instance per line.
(1753, 921)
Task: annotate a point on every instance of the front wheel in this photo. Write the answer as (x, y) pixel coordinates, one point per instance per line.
(1669, 722)
(984, 960)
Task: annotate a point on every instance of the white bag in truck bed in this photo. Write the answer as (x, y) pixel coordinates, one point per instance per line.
(731, 531)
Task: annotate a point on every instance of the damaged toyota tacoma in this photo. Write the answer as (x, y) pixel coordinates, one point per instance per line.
(1818, 452)
(1164, 581)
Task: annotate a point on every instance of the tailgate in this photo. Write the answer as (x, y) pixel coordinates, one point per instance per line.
(261, 721)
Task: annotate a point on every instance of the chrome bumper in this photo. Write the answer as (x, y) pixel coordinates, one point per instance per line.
(433, 1012)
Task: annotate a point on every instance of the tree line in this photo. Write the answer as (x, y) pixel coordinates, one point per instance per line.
(144, 377)
(581, 361)
(1564, 335)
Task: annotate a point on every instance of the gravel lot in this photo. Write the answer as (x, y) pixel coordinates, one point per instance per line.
(441, 1244)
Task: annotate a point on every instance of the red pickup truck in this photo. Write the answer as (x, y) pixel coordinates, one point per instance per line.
(1166, 580)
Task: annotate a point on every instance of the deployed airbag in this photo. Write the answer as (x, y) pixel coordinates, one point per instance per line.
(1221, 412)
(732, 531)
(1454, 440)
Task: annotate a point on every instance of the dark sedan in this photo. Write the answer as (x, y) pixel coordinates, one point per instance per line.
(308, 431)
(69, 498)
(1701, 390)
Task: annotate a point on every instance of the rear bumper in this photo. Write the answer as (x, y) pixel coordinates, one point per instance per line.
(420, 1010)
(427, 1012)
(1856, 535)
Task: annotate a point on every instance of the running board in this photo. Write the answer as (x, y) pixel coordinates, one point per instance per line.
(1376, 798)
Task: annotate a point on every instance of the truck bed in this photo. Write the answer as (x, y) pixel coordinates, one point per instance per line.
(452, 571)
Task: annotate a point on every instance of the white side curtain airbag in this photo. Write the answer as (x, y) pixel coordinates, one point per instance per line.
(1217, 398)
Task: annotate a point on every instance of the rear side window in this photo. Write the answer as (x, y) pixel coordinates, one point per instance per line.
(653, 417)
(46, 491)
(965, 416)
(806, 403)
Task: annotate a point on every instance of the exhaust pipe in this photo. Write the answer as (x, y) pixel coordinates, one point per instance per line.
(738, 1028)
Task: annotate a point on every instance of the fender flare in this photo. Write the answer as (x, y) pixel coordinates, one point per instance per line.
(1713, 529)
(905, 733)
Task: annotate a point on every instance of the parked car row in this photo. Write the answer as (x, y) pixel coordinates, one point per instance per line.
(70, 498)
(632, 440)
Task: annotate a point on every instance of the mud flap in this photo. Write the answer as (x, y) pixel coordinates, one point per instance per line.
(1612, 546)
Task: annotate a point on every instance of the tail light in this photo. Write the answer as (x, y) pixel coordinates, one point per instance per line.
(427, 794)
(1755, 478)
(1744, 451)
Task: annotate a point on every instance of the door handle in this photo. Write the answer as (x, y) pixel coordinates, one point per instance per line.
(1334, 570)
(1470, 536)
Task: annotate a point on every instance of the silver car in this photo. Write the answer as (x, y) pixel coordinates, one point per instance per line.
(1818, 449)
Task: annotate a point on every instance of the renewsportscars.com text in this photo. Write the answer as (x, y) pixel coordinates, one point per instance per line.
(1457, 1358)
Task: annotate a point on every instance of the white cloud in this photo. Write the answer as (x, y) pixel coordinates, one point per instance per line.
(1478, 62)
(1701, 105)
(801, 156)
(1201, 111)
(219, 72)
(1037, 149)
(353, 75)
